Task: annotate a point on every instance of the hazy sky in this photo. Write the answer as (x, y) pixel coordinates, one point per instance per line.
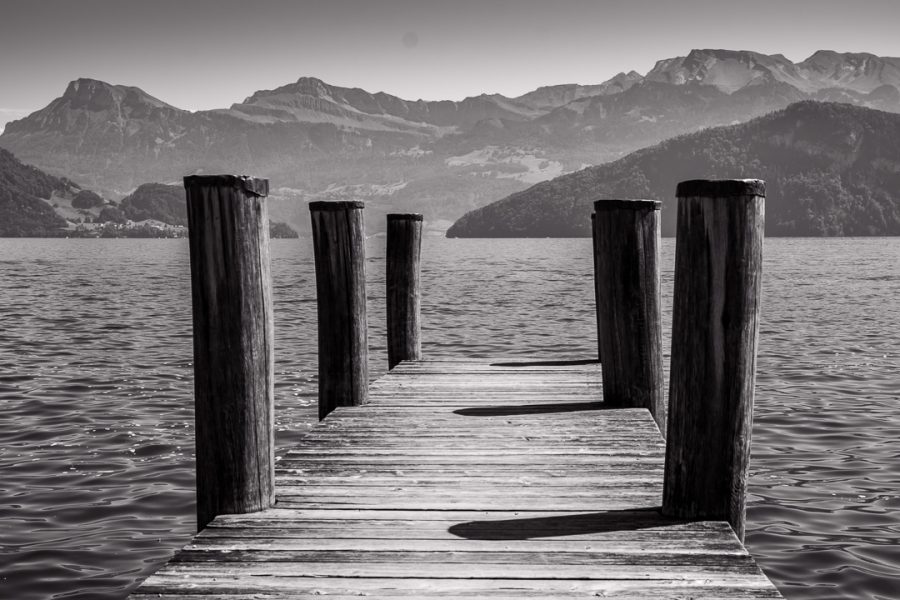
(199, 54)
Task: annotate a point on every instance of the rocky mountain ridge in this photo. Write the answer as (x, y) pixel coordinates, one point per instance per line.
(443, 158)
(731, 70)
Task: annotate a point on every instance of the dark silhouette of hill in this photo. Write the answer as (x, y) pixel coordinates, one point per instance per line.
(156, 201)
(831, 170)
(24, 192)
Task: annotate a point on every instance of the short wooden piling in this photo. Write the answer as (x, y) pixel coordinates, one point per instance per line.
(626, 234)
(596, 282)
(718, 269)
(404, 251)
(233, 344)
(339, 246)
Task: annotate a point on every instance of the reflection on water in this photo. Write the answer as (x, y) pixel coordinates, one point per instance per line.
(96, 414)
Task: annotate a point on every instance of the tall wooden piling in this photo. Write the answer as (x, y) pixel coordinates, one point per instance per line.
(718, 269)
(404, 251)
(596, 282)
(626, 234)
(339, 243)
(233, 344)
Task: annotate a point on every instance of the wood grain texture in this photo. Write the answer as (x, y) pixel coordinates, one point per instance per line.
(403, 293)
(718, 271)
(475, 485)
(233, 344)
(339, 244)
(626, 234)
(597, 282)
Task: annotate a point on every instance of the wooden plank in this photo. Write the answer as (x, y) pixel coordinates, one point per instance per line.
(392, 563)
(413, 536)
(507, 589)
(396, 567)
(629, 519)
(692, 542)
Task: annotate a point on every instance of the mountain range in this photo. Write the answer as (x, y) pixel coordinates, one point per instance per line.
(316, 141)
(442, 158)
(830, 169)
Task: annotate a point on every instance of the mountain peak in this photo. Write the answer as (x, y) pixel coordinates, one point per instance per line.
(84, 85)
(93, 94)
(733, 70)
(838, 55)
(860, 71)
(304, 86)
(313, 84)
(629, 76)
(120, 112)
(704, 56)
(90, 93)
(724, 53)
(823, 55)
(698, 53)
(729, 70)
(829, 59)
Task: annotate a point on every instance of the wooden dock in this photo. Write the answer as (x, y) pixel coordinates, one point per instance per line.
(464, 479)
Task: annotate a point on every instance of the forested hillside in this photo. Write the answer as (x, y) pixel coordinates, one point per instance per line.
(831, 170)
(23, 191)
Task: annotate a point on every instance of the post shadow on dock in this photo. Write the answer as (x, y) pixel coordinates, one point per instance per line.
(529, 528)
(507, 410)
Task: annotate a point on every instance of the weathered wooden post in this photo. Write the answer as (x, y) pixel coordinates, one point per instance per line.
(339, 243)
(596, 282)
(404, 251)
(718, 268)
(626, 234)
(233, 344)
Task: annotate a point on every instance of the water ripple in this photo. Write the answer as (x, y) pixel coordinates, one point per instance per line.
(96, 415)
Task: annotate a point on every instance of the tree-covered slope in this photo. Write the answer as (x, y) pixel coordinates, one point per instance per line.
(24, 190)
(168, 204)
(156, 201)
(831, 169)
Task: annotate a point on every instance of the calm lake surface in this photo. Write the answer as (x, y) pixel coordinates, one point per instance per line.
(96, 415)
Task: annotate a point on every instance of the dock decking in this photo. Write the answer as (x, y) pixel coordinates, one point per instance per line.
(465, 479)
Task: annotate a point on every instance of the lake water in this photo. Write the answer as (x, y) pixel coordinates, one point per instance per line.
(96, 418)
